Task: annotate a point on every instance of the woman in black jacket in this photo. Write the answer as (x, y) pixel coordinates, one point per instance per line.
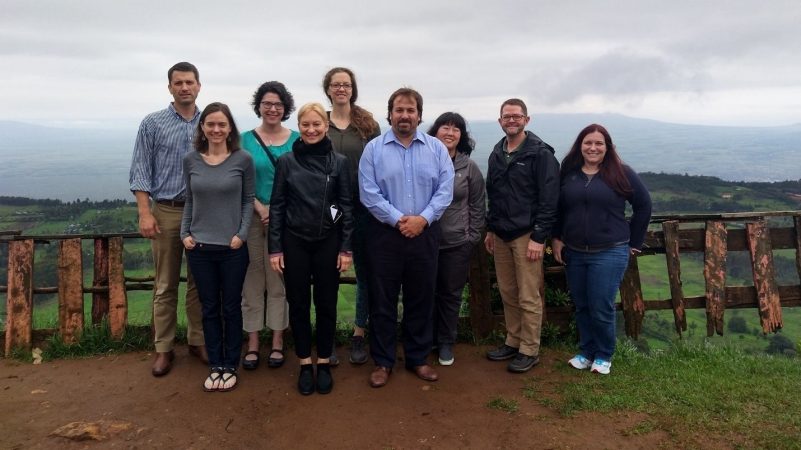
(309, 237)
(596, 238)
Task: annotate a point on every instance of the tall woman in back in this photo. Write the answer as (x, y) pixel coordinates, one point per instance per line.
(219, 204)
(273, 104)
(351, 128)
(594, 240)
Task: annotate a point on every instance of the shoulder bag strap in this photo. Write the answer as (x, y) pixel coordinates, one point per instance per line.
(266, 149)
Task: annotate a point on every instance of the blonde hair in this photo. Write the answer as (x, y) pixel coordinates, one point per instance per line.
(312, 107)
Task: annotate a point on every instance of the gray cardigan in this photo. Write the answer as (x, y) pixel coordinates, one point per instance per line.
(219, 199)
(463, 221)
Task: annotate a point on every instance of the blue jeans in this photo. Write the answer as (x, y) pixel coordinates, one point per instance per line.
(359, 245)
(219, 274)
(594, 279)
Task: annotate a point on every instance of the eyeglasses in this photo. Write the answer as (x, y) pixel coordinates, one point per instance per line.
(512, 117)
(338, 86)
(272, 105)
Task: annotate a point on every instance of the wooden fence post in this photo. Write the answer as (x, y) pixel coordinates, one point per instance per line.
(70, 290)
(631, 299)
(19, 297)
(481, 318)
(118, 297)
(715, 250)
(100, 299)
(671, 230)
(797, 227)
(759, 245)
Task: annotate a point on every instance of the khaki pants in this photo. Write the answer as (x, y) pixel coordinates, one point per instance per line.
(261, 277)
(168, 252)
(519, 281)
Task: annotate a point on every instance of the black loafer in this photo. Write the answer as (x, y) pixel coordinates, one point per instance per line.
(306, 379)
(325, 383)
(250, 364)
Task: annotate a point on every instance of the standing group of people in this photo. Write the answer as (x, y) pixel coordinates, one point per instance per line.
(271, 218)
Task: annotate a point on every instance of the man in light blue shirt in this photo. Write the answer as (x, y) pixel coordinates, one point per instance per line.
(406, 183)
(157, 181)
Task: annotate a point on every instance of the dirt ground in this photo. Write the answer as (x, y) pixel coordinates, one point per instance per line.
(128, 408)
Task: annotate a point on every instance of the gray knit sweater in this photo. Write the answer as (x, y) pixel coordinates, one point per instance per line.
(219, 199)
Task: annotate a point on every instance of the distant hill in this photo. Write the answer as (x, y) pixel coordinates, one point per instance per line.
(46, 162)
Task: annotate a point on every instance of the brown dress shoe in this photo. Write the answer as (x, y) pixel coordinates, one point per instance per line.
(380, 376)
(199, 351)
(163, 363)
(425, 372)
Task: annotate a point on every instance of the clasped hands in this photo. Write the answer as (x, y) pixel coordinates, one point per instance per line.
(411, 226)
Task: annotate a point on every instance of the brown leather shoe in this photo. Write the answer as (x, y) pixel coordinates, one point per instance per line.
(380, 376)
(163, 363)
(425, 372)
(199, 351)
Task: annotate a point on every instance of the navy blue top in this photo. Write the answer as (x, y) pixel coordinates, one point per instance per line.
(592, 217)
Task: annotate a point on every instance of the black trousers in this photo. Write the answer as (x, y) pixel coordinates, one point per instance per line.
(304, 261)
(396, 263)
(454, 265)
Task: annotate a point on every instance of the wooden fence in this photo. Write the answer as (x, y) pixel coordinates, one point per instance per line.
(714, 235)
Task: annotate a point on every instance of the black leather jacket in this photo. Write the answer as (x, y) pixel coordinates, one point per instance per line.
(523, 193)
(310, 181)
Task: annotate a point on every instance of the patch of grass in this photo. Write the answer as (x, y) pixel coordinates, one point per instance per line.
(530, 389)
(97, 340)
(503, 404)
(701, 389)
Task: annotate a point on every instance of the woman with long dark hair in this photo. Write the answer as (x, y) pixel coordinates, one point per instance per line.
(219, 204)
(461, 226)
(351, 127)
(310, 233)
(594, 240)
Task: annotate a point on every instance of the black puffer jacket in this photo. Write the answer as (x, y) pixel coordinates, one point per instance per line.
(523, 194)
(309, 181)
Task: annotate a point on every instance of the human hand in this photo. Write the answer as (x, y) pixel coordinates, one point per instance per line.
(344, 262)
(535, 250)
(189, 242)
(263, 211)
(148, 226)
(634, 251)
(557, 245)
(489, 242)
(236, 243)
(277, 263)
(412, 226)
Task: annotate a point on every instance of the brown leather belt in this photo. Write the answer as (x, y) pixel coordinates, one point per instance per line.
(173, 203)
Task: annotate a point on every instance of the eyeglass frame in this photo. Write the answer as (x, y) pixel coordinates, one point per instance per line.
(513, 117)
(278, 106)
(338, 86)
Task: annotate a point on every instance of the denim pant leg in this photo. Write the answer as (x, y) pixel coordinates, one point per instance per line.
(233, 267)
(359, 244)
(205, 265)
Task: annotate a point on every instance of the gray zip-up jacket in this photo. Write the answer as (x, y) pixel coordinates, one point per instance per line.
(463, 221)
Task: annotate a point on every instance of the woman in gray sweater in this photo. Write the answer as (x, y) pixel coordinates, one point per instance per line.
(219, 206)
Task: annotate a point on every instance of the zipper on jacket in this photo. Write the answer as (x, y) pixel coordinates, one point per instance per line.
(586, 202)
(325, 197)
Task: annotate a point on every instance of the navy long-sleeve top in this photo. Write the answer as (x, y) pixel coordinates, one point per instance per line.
(592, 217)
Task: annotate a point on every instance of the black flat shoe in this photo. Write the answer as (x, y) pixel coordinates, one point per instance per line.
(306, 379)
(324, 380)
(275, 362)
(250, 364)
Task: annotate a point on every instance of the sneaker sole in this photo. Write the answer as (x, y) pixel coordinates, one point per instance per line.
(443, 362)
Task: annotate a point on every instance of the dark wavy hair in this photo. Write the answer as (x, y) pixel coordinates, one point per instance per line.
(361, 119)
(201, 143)
(409, 93)
(612, 167)
(466, 143)
(183, 66)
(277, 88)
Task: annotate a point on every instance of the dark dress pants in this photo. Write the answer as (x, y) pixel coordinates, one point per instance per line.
(452, 271)
(396, 263)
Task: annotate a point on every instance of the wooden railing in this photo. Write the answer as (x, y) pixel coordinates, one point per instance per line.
(679, 234)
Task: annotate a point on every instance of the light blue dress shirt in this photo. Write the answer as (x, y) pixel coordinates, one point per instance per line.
(396, 181)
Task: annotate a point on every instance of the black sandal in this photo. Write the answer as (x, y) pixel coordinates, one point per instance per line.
(226, 377)
(208, 383)
(275, 363)
(250, 364)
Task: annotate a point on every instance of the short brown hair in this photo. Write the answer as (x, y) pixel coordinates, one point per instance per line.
(515, 102)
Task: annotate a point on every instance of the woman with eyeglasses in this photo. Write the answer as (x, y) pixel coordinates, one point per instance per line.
(351, 127)
(310, 240)
(273, 103)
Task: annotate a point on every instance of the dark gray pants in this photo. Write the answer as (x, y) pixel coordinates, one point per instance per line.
(453, 267)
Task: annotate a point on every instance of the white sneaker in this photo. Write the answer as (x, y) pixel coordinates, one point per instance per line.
(580, 362)
(601, 366)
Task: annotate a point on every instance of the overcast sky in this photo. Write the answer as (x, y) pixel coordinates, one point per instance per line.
(104, 63)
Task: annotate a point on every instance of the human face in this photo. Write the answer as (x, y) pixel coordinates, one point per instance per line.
(593, 149)
(184, 88)
(340, 89)
(216, 128)
(271, 109)
(312, 127)
(404, 116)
(513, 121)
(450, 135)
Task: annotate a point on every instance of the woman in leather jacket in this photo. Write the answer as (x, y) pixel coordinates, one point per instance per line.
(309, 237)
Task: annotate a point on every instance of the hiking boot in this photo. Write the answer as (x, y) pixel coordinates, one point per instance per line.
(358, 352)
(579, 362)
(522, 363)
(501, 353)
(601, 366)
(446, 354)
